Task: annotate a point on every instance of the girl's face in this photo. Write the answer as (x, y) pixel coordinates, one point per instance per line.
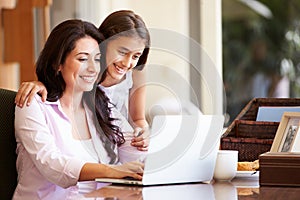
(122, 55)
(82, 65)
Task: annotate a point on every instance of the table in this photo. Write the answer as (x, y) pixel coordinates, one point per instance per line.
(244, 188)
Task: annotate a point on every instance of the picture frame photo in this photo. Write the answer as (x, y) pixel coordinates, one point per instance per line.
(287, 138)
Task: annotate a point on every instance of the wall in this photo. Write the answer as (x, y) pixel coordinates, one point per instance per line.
(211, 62)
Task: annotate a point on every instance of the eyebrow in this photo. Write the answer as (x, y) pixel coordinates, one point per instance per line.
(86, 53)
(126, 49)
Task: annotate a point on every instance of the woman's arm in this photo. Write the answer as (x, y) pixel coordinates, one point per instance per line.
(90, 171)
(28, 90)
(38, 146)
(129, 168)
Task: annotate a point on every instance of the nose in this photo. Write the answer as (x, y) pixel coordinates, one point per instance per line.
(93, 65)
(127, 61)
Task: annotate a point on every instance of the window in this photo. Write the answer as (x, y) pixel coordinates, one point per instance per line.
(261, 43)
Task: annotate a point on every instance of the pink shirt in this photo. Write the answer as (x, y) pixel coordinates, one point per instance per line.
(47, 164)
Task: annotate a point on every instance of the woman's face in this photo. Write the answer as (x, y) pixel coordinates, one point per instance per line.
(122, 55)
(82, 65)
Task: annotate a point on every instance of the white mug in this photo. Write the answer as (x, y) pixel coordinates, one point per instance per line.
(226, 165)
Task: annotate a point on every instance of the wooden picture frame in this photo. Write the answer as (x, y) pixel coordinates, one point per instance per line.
(286, 135)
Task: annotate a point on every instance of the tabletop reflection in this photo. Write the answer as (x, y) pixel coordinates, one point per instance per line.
(213, 191)
(180, 191)
(238, 188)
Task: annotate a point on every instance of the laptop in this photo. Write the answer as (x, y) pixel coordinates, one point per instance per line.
(182, 149)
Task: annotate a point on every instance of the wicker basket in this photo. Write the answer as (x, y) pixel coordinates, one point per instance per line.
(250, 137)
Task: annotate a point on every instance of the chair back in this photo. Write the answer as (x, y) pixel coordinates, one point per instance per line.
(8, 172)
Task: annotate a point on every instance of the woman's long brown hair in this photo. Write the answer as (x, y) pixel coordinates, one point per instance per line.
(60, 43)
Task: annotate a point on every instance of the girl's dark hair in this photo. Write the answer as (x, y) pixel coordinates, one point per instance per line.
(60, 43)
(125, 23)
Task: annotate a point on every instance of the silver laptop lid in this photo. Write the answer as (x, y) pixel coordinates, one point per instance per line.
(182, 148)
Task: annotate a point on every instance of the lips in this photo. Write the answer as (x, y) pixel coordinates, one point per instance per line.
(120, 70)
(89, 79)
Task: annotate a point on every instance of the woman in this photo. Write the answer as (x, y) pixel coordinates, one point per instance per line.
(66, 142)
(126, 50)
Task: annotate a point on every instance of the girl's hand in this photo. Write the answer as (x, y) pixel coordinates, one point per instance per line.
(28, 90)
(141, 138)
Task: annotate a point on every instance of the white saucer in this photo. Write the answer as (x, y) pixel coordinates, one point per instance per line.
(246, 174)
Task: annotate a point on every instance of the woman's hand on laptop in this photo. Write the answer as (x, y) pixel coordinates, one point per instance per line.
(132, 169)
(133, 166)
(141, 138)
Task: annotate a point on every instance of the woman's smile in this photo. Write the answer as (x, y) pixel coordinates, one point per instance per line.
(88, 78)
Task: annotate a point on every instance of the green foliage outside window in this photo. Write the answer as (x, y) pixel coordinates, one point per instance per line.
(256, 47)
